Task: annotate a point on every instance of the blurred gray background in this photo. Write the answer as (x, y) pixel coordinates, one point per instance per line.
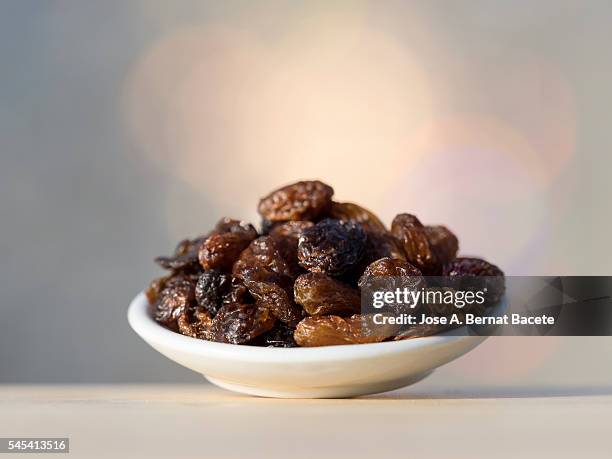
(127, 125)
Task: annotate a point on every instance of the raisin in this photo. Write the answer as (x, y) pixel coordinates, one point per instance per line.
(230, 225)
(155, 287)
(266, 226)
(332, 247)
(300, 201)
(465, 266)
(277, 299)
(195, 322)
(383, 245)
(315, 257)
(240, 323)
(334, 330)
(293, 229)
(280, 336)
(391, 267)
(269, 278)
(276, 255)
(266, 252)
(174, 299)
(390, 274)
(210, 289)
(185, 256)
(379, 245)
(443, 242)
(238, 293)
(320, 294)
(224, 245)
(347, 211)
(464, 273)
(413, 237)
(286, 236)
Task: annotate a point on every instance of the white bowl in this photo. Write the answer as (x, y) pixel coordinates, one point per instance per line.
(314, 372)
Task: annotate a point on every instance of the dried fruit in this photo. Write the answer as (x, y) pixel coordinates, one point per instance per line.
(280, 336)
(443, 242)
(273, 254)
(476, 274)
(155, 287)
(332, 247)
(413, 237)
(240, 323)
(262, 261)
(304, 278)
(278, 300)
(195, 322)
(390, 274)
(238, 293)
(319, 294)
(334, 330)
(185, 256)
(383, 245)
(391, 267)
(348, 211)
(426, 247)
(293, 229)
(230, 225)
(299, 201)
(224, 245)
(210, 289)
(466, 266)
(174, 299)
(269, 278)
(266, 226)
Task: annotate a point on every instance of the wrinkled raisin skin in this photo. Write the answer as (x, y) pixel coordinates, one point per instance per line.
(239, 323)
(155, 288)
(300, 201)
(426, 247)
(280, 336)
(389, 267)
(224, 245)
(443, 242)
(334, 330)
(382, 245)
(210, 289)
(411, 233)
(469, 266)
(320, 294)
(459, 271)
(271, 253)
(348, 211)
(332, 247)
(185, 256)
(269, 278)
(390, 274)
(276, 299)
(293, 229)
(195, 322)
(176, 297)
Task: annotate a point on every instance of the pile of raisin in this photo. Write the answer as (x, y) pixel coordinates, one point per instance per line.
(297, 281)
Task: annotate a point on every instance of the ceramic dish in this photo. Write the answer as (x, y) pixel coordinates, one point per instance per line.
(314, 372)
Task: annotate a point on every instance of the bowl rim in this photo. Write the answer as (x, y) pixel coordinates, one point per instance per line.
(153, 333)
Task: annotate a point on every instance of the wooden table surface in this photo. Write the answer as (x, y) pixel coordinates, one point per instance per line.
(201, 421)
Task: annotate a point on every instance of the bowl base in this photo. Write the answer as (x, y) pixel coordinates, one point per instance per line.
(352, 390)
